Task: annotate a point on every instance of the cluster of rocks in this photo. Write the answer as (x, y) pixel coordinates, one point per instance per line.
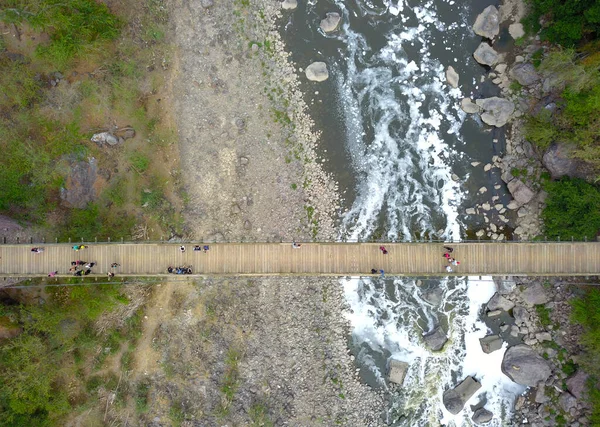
(113, 136)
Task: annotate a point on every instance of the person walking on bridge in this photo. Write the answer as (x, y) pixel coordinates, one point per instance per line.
(383, 249)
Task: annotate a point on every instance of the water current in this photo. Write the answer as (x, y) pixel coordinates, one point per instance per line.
(394, 137)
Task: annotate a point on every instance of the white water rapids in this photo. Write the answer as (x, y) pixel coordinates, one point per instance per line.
(404, 136)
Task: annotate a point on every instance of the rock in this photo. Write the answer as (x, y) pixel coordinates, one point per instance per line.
(80, 186)
(331, 22)
(494, 313)
(521, 315)
(498, 206)
(456, 398)
(486, 206)
(577, 384)
(105, 138)
(543, 336)
(247, 225)
(485, 55)
(522, 212)
(501, 68)
(525, 74)
(559, 161)
(469, 107)
(512, 205)
(493, 227)
(480, 233)
(434, 296)
(235, 209)
(482, 190)
(516, 30)
(567, 401)
(540, 394)
(497, 111)
(519, 58)
(487, 23)
(520, 192)
(487, 167)
(206, 3)
(498, 302)
(125, 133)
(397, 371)
(534, 294)
(317, 72)
(482, 416)
(490, 343)
(289, 4)
(452, 76)
(524, 366)
(244, 161)
(470, 211)
(475, 164)
(436, 338)
(455, 177)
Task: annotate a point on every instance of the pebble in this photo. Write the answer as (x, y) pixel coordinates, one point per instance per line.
(483, 190)
(487, 167)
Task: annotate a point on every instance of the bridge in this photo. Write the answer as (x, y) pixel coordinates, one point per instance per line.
(311, 259)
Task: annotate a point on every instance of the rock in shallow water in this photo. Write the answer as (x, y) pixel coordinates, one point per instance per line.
(317, 72)
(289, 4)
(482, 416)
(524, 366)
(452, 76)
(490, 343)
(455, 399)
(331, 22)
(486, 55)
(497, 111)
(525, 74)
(435, 339)
(487, 23)
(397, 371)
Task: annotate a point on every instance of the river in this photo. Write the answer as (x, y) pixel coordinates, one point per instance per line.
(402, 150)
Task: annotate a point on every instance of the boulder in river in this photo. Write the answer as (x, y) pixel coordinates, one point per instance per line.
(289, 4)
(524, 366)
(482, 416)
(455, 399)
(469, 106)
(490, 343)
(520, 192)
(435, 339)
(331, 22)
(485, 54)
(317, 72)
(497, 111)
(397, 371)
(487, 23)
(498, 302)
(452, 76)
(525, 74)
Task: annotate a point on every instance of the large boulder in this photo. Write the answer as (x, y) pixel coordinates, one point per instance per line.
(397, 371)
(80, 187)
(435, 339)
(469, 106)
(534, 294)
(317, 72)
(577, 384)
(487, 23)
(331, 22)
(559, 161)
(498, 302)
(289, 4)
(520, 192)
(452, 76)
(455, 398)
(497, 111)
(490, 343)
(567, 401)
(524, 366)
(525, 73)
(485, 55)
(521, 315)
(482, 416)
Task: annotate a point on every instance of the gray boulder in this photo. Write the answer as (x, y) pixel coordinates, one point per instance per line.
(435, 339)
(455, 399)
(317, 72)
(540, 394)
(577, 384)
(521, 315)
(452, 76)
(397, 371)
(105, 138)
(534, 294)
(485, 54)
(516, 30)
(482, 416)
(567, 401)
(520, 192)
(490, 343)
(497, 111)
(469, 106)
(524, 366)
(289, 4)
(80, 186)
(331, 22)
(498, 302)
(558, 159)
(525, 74)
(487, 23)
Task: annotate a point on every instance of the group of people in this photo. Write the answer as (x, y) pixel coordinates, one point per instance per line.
(81, 268)
(79, 247)
(180, 270)
(451, 260)
(197, 248)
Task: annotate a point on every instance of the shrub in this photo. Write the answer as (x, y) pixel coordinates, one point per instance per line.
(572, 209)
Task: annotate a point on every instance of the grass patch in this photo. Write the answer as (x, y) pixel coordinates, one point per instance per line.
(543, 314)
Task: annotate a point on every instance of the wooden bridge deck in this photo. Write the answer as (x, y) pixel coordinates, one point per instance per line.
(312, 259)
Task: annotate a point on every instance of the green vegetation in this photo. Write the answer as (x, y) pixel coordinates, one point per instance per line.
(544, 315)
(572, 209)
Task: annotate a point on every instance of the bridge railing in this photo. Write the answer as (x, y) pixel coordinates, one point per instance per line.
(109, 240)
